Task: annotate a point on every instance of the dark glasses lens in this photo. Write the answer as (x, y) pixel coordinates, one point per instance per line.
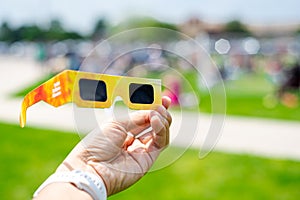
(92, 90)
(141, 93)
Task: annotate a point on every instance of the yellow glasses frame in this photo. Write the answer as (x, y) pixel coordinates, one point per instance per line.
(64, 88)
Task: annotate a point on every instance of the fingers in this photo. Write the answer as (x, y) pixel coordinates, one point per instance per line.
(166, 101)
(146, 135)
(139, 120)
(159, 119)
(160, 126)
(138, 126)
(164, 113)
(160, 123)
(136, 121)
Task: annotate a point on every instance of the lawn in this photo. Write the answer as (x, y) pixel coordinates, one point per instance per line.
(250, 95)
(28, 88)
(29, 155)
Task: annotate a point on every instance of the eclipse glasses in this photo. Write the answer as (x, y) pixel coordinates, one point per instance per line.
(92, 90)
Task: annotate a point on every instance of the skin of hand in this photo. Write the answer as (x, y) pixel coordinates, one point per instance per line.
(113, 152)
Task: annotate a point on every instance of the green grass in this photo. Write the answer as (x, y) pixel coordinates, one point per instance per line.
(219, 176)
(29, 155)
(27, 89)
(246, 96)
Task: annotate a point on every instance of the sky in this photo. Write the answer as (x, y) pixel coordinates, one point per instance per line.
(81, 15)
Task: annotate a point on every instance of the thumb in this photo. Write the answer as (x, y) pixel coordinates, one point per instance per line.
(137, 121)
(105, 143)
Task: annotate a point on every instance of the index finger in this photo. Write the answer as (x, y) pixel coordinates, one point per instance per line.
(140, 120)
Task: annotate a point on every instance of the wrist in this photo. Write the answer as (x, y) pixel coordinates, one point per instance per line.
(76, 161)
(84, 181)
(106, 175)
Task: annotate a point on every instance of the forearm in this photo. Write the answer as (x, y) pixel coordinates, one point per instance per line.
(63, 191)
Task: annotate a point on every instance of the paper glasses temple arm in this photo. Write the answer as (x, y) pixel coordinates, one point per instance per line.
(56, 92)
(30, 99)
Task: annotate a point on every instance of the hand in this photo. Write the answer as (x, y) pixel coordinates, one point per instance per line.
(116, 155)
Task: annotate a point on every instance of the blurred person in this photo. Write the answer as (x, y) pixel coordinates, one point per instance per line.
(41, 52)
(274, 70)
(74, 60)
(110, 159)
(290, 83)
(292, 79)
(173, 88)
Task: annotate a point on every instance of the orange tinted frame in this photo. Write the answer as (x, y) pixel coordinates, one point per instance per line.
(64, 88)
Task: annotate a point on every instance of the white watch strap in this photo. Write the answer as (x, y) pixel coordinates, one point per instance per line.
(88, 182)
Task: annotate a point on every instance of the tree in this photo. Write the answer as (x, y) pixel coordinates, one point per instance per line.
(141, 22)
(26, 32)
(57, 32)
(298, 31)
(29, 33)
(236, 26)
(6, 33)
(33, 32)
(100, 29)
(144, 22)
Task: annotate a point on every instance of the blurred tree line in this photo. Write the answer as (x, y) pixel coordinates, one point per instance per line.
(55, 30)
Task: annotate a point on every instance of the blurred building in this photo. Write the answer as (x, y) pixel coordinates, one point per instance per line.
(193, 26)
